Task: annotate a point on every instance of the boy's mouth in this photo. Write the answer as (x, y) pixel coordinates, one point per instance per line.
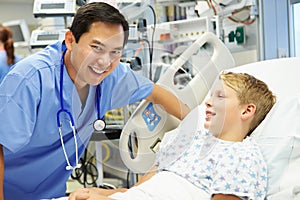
(209, 114)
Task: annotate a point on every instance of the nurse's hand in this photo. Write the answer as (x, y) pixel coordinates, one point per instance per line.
(93, 193)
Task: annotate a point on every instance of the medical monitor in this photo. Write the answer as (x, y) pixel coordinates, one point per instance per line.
(21, 33)
(47, 8)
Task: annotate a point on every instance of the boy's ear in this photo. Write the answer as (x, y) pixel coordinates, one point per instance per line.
(248, 111)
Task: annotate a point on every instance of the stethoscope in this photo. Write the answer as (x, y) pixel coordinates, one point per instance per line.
(98, 124)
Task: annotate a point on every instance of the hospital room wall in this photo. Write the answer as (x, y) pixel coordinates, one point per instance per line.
(273, 15)
(274, 29)
(17, 10)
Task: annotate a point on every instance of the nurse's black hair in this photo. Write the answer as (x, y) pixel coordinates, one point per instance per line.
(97, 12)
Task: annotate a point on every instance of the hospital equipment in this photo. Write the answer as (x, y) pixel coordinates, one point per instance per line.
(43, 8)
(54, 19)
(21, 33)
(42, 38)
(227, 7)
(149, 122)
(98, 125)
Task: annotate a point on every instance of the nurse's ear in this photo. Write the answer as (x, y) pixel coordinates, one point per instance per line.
(69, 40)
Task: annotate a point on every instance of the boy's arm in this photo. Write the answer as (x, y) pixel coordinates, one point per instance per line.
(147, 176)
(1, 172)
(225, 197)
(168, 101)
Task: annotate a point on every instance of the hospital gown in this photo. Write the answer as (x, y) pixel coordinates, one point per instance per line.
(29, 99)
(196, 165)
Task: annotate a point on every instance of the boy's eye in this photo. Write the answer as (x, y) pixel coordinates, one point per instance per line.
(220, 95)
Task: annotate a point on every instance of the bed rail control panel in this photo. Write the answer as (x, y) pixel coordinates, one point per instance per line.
(150, 117)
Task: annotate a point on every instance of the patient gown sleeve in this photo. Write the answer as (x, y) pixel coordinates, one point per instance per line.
(164, 146)
(242, 172)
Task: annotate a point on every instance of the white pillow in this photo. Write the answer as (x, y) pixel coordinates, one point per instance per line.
(279, 138)
(289, 193)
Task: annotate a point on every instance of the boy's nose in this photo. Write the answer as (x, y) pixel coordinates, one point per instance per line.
(208, 102)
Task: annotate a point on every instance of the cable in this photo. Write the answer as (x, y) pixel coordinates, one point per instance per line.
(87, 174)
(152, 41)
(244, 21)
(211, 5)
(107, 150)
(127, 181)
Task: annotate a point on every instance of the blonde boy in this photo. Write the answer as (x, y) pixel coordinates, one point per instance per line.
(221, 162)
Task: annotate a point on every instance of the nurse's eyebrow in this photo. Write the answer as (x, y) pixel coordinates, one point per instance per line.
(102, 44)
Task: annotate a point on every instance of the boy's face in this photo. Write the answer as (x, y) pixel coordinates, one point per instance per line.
(223, 111)
(96, 54)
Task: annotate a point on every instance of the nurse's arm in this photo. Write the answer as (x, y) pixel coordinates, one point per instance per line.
(1, 172)
(85, 193)
(168, 101)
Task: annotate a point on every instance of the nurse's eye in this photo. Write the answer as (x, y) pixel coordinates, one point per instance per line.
(97, 48)
(116, 53)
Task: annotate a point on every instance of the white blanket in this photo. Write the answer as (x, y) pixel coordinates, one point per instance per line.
(163, 186)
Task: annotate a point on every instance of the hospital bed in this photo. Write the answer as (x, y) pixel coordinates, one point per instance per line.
(147, 125)
(278, 135)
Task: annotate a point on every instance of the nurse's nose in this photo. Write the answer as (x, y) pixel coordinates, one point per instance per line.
(104, 60)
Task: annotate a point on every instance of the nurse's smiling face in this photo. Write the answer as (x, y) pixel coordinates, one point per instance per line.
(96, 54)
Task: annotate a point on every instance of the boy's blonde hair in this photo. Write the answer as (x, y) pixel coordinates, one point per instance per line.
(251, 90)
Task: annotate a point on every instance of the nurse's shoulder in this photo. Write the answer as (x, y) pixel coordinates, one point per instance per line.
(47, 59)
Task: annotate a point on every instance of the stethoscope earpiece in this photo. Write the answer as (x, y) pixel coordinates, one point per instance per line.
(69, 167)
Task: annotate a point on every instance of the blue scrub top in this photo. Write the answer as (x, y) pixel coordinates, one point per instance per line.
(29, 99)
(4, 67)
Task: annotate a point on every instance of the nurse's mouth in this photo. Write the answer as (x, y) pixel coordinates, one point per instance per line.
(97, 71)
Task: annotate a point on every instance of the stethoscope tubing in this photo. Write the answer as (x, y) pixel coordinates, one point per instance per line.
(72, 123)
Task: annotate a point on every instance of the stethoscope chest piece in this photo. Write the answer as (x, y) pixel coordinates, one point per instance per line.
(99, 125)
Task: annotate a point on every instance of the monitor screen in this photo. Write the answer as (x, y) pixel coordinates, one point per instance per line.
(17, 33)
(21, 33)
(48, 37)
